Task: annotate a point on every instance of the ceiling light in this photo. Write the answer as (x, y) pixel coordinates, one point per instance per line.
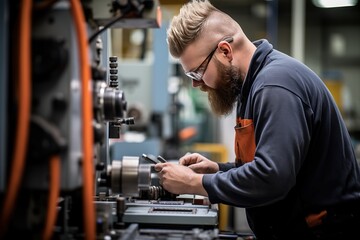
(334, 3)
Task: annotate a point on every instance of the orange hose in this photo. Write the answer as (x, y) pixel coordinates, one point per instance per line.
(54, 192)
(23, 121)
(88, 206)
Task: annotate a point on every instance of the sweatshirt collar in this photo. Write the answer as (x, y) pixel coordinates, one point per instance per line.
(263, 48)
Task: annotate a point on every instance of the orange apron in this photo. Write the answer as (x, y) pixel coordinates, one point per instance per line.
(244, 141)
(245, 147)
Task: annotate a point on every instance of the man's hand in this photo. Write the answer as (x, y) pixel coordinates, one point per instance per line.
(179, 179)
(199, 163)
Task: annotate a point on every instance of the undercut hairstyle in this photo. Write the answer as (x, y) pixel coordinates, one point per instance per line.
(187, 25)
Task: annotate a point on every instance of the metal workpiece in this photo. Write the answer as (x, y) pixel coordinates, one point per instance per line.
(114, 171)
(128, 176)
(130, 173)
(144, 178)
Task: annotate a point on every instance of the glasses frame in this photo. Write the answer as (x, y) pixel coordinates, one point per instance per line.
(196, 74)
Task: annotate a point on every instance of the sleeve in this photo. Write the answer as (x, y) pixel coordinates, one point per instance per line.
(226, 166)
(282, 132)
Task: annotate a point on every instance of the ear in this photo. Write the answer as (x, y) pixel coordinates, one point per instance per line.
(226, 50)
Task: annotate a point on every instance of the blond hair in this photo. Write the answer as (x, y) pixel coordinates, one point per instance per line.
(187, 25)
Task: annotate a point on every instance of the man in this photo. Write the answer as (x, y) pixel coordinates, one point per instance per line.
(295, 171)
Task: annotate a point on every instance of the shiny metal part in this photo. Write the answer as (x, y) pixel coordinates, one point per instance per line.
(128, 176)
(161, 159)
(150, 158)
(130, 166)
(144, 178)
(115, 172)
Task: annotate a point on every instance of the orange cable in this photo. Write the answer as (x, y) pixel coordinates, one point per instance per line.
(88, 206)
(23, 121)
(54, 192)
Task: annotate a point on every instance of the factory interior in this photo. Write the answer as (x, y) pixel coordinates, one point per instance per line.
(90, 98)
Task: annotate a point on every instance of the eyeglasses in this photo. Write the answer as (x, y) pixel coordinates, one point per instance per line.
(199, 72)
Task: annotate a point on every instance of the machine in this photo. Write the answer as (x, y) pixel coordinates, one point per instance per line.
(60, 105)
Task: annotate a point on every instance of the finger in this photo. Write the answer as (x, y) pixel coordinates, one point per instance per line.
(185, 160)
(195, 167)
(188, 153)
(158, 167)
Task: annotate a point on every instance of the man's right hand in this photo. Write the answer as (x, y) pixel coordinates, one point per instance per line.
(199, 163)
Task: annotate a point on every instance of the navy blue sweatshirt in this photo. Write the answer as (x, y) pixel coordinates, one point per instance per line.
(301, 140)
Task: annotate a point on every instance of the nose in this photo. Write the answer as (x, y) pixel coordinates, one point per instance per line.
(197, 83)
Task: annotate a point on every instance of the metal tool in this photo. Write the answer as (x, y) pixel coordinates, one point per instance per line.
(161, 159)
(154, 160)
(150, 158)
